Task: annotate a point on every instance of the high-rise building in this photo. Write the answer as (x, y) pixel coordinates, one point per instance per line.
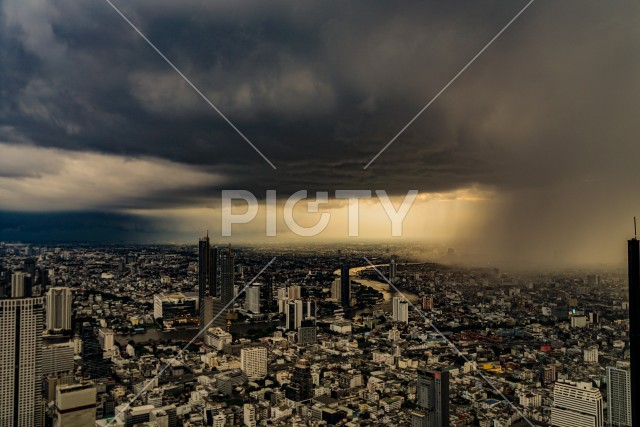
(226, 275)
(20, 285)
(21, 325)
(59, 309)
(252, 298)
(300, 387)
(267, 291)
(175, 308)
(619, 396)
(75, 405)
(253, 361)
(393, 269)
(427, 302)
(576, 404)
(294, 292)
(345, 286)
(249, 415)
(549, 375)
(57, 358)
(294, 315)
(432, 400)
(307, 335)
(634, 324)
(400, 310)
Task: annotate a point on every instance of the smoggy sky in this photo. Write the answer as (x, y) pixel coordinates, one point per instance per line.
(533, 152)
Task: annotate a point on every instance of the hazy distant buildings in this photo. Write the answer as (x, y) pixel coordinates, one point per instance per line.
(618, 396)
(59, 301)
(400, 310)
(21, 326)
(432, 400)
(576, 404)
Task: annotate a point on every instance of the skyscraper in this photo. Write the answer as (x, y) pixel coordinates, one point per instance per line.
(204, 252)
(576, 404)
(432, 399)
(634, 324)
(345, 286)
(300, 388)
(393, 269)
(21, 324)
(400, 310)
(294, 314)
(59, 309)
(252, 298)
(226, 275)
(20, 285)
(619, 396)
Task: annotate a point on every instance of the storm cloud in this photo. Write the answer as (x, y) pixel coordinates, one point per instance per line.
(545, 118)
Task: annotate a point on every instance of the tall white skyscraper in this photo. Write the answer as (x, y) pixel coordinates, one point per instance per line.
(59, 309)
(252, 299)
(253, 362)
(400, 310)
(576, 404)
(619, 396)
(21, 325)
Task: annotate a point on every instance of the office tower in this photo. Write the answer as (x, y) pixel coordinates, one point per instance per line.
(29, 267)
(345, 286)
(432, 400)
(400, 310)
(309, 310)
(226, 275)
(43, 280)
(253, 362)
(93, 362)
(619, 396)
(267, 294)
(21, 325)
(59, 309)
(300, 389)
(20, 285)
(335, 290)
(75, 405)
(393, 269)
(213, 272)
(175, 308)
(634, 324)
(294, 315)
(252, 299)
(57, 358)
(576, 404)
(204, 265)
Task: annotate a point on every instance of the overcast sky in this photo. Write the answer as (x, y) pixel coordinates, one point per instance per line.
(534, 150)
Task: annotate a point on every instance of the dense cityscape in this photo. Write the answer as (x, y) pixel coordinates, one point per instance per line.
(367, 335)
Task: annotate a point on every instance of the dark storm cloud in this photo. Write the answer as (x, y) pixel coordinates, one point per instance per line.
(546, 116)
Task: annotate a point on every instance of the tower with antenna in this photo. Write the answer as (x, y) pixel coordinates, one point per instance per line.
(634, 322)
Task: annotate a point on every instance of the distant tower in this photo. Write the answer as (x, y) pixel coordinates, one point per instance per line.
(393, 269)
(213, 272)
(634, 323)
(432, 399)
(252, 298)
(226, 275)
(59, 309)
(21, 325)
(345, 286)
(203, 275)
(400, 310)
